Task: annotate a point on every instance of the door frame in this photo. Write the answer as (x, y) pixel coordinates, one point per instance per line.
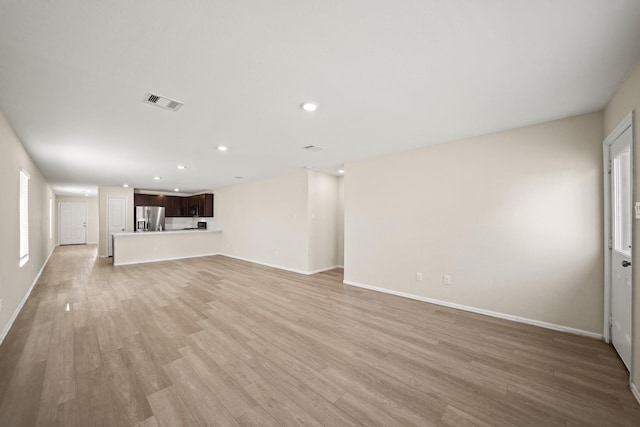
(86, 220)
(109, 242)
(606, 162)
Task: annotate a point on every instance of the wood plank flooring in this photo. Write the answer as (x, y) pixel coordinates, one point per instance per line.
(217, 341)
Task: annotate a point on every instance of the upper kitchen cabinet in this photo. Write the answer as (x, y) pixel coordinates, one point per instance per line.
(176, 206)
(201, 205)
(140, 199)
(156, 200)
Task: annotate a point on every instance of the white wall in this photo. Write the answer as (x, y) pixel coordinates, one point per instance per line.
(92, 215)
(323, 221)
(627, 99)
(514, 217)
(266, 221)
(103, 193)
(15, 281)
(290, 222)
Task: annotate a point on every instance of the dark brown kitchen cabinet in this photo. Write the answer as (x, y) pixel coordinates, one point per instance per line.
(156, 200)
(176, 206)
(140, 199)
(201, 205)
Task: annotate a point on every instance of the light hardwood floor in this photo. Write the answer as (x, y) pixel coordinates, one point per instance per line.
(216, 341)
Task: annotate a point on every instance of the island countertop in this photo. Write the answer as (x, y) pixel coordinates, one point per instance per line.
(153, 246)
(164, 232)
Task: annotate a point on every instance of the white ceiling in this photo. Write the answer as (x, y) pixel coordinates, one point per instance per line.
(387, 75)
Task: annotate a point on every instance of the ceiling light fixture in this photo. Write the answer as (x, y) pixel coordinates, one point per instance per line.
(222, 148)
(125, 185)
(309, 106)
(341, 171)
(176, 189)
(157, 178)
(182, 167)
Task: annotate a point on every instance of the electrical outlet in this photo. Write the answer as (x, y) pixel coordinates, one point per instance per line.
(418, 276)
(446, 279)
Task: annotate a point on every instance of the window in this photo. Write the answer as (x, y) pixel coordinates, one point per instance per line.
(622, 202)
(50, 218)
(24, 217)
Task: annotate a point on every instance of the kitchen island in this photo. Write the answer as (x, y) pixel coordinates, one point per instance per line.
(151, 246)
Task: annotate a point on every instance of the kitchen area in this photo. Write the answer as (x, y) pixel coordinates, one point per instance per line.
(168, 227)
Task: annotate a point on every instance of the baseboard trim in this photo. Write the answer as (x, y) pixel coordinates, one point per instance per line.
(635, 391)
(333, 267)
(14, 316)
(119, 264)
(280, 267)
(266, 264)
(490, 313)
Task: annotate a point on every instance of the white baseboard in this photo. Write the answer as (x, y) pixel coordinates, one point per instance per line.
(496, 314)
(333, 267)
(161, 259)
(280, 267)
(266, 264)
(635, 391)
(14, 316)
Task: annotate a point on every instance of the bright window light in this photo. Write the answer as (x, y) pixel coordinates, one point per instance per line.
(50, 218)
(24, 217)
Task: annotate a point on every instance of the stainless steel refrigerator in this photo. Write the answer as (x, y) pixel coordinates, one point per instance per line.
(149, 218)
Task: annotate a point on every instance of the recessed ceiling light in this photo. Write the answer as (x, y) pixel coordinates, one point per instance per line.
(157, 178)
(181, 167)
(222, 148)
(341, 171)
(309, 106)
(176, 189)
(125, 185)
(86, 195)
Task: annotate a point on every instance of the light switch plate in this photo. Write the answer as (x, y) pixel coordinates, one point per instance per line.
(637, 206)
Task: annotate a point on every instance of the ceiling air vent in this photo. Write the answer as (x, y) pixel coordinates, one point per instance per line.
(162, 102)
(311, 148)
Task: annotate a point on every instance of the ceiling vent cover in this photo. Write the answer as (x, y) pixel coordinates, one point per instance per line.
(311, 148)
(162, 102)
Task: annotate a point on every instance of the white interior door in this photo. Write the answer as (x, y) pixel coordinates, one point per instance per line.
(72, 223)
(621, 217)
(116, 219)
